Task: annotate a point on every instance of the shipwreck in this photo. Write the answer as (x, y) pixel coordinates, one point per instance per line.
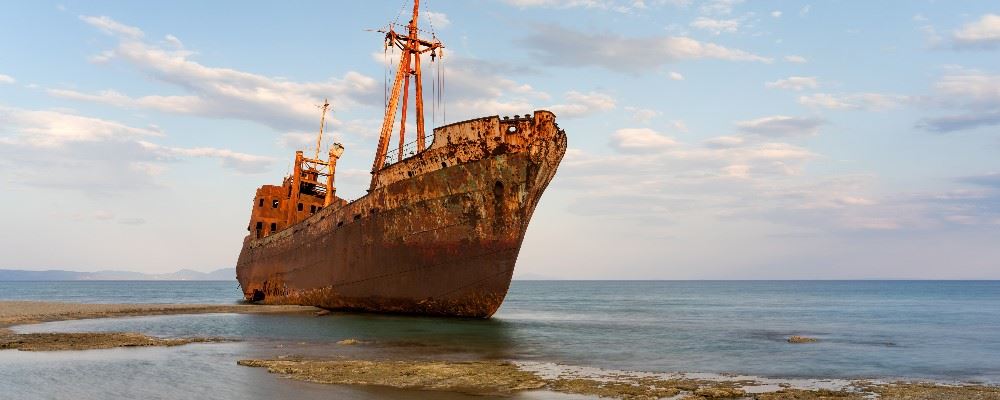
(440, 227)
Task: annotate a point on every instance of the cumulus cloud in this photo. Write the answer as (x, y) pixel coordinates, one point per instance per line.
(794, 83)
(781, 126)
(216, 92)
(42, 128)
(984, 32)
(583, 104)
(112, 27)
(561, 46)
(854, 101)
(438, 20)
(640, 140)
(716, 26)
(60, 150)
(6, 79)
(241, 162)
(676, 76)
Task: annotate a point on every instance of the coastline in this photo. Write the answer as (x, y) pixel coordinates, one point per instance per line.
(500, 377)
(31, 312)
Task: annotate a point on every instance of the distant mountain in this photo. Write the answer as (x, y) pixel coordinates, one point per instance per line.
(223, 274)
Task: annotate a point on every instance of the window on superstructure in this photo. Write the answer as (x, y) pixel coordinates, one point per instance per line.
(312, 209)
(274, 227)
(260, 202)
(300, 206)
(274, 203)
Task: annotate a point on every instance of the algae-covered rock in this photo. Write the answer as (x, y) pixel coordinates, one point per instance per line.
(719, 392)
(802, 339)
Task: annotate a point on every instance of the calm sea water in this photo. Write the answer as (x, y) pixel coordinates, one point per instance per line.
(944, 330)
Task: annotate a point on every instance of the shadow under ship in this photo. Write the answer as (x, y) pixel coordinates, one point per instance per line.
(438, 232)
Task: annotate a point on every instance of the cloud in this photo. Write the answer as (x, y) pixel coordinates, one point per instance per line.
(716, 26)
(676, 76)
(976, 96)
(560, 46)
(969, 88)
(984, 33)
(794, 83)
(583, 104)
(643, 115)
(218, 92)
(6, 79)
(719, 7)
(622, 6)
(776, 14)
(59, 150)
(725, 142)
(41, 128)
(781, 126)
(991, 180)
(467, 96)
(112, 27)
(640, 140)
(952, 123)
(795, 59)
(242, 162)
(437, 20)
(854, 101)
(672, 180)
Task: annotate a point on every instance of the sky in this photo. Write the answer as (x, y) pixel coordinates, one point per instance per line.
(715, 139)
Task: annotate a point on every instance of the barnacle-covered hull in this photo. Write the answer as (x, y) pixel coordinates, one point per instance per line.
(438, 234)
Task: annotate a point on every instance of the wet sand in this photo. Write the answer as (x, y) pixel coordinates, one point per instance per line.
(29, 312)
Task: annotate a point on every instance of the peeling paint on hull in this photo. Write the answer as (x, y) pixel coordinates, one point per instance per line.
(439, 233)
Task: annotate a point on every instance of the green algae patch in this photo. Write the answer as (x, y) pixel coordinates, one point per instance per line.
(931, 391)
(504, 378)
(470, 377)
(802, 339)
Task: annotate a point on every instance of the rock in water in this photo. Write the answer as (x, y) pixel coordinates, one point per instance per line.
(802, 339)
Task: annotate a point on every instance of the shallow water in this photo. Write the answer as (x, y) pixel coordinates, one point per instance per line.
(867, 329)
(197, 371)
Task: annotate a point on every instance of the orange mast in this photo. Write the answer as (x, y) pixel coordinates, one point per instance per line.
(412, 46)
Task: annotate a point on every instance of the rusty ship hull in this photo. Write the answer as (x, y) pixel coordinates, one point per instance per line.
(438, 233)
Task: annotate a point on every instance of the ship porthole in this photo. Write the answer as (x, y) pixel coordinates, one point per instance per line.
(498, 190)
(512, 129)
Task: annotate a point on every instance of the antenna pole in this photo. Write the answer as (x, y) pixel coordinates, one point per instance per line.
(322, 123)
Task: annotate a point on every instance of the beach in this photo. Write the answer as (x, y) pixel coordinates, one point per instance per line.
(362, 362)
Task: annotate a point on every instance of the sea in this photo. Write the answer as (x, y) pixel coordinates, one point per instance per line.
(946, 331)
